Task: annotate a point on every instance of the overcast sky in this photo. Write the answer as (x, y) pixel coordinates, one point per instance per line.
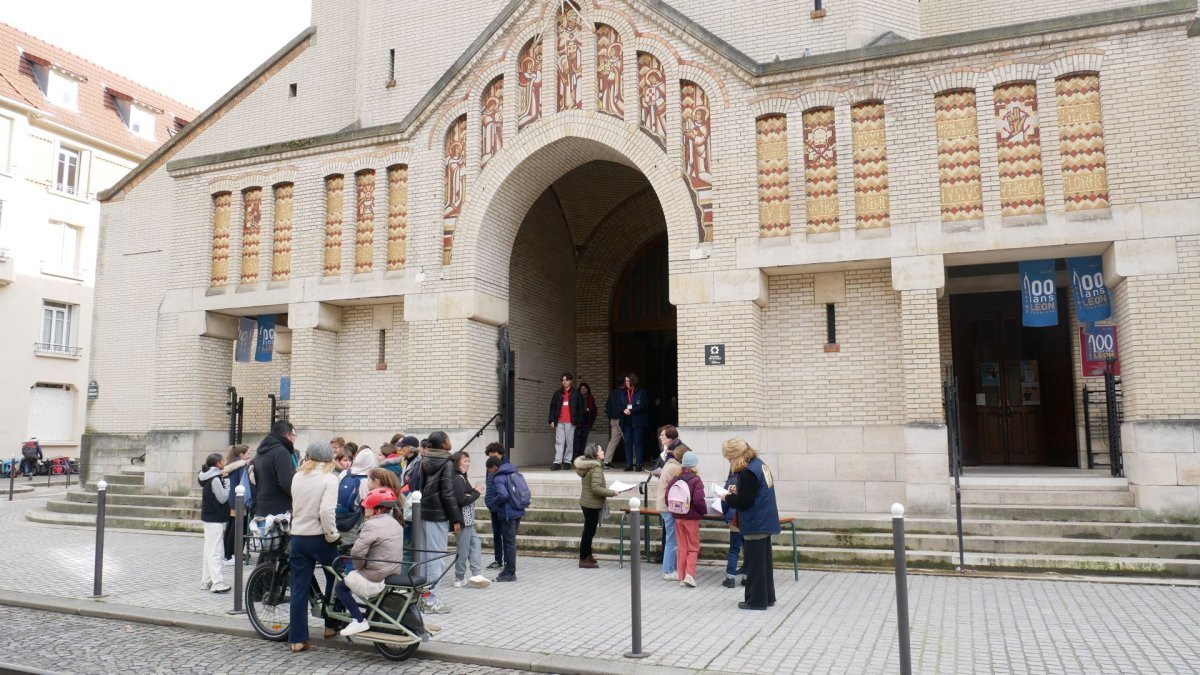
(191, 51)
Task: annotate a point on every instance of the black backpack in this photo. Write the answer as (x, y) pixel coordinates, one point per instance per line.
(29, 450)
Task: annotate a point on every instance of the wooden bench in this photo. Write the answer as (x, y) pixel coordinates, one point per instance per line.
(787, 521)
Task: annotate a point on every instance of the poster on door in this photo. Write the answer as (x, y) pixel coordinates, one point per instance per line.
(1096, 348)
(1031, 392)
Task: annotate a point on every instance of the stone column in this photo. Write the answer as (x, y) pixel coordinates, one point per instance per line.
(920, 280)
(315, 327)
(194, 367)
(1155, 285)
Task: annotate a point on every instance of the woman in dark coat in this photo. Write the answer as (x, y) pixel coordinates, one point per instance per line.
(757, 518)
(582, 430)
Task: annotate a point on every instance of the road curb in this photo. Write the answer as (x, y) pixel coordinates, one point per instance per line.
(432, 650)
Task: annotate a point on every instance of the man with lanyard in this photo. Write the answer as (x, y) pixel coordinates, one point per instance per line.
(635, 419)
(567, 409)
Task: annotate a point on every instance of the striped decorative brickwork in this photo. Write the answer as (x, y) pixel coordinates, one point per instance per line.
(820, 170)
(1019, 149)
(334, 203)
(774, 206)
(364, 221)
(958, 156)
(281, 233)
(1081, 139)
(251, 233)
(869, 133)
(455, 183)
(397, 224)
(222, 203)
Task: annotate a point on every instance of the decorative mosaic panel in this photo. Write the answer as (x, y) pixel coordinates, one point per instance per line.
(696, 116)
(1019, 149)
(491, 121)
(364, 221)
(958, 156)
(820, 170)
(251, 233)
(652, 92)
(455, 182)
(397, 247)
(774, 193)
(222, 205)
(281, 234)
(1081, 139)
(869, 132)
(529, 83)
(334, 203)
(569, 90)
(610, 71)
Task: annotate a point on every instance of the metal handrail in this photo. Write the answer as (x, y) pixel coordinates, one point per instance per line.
(51, 348)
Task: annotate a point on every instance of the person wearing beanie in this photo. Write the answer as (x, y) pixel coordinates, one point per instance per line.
(400, 463)
(685, 501)
(314, 534)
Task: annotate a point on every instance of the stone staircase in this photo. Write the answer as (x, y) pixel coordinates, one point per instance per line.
(1074, 526)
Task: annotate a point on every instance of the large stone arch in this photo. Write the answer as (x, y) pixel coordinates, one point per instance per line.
(505, 190)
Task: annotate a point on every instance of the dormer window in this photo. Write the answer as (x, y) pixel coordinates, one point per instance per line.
(138, 117)
(59, 85)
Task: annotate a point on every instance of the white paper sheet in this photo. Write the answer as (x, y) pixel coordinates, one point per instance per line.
(618, 486)
(718, 490)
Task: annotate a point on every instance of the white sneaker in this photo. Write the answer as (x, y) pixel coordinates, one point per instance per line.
(479, 581)
(355, 628)
(205, 585)
(438, 607)
(459, 583)
(689, 581)
(228, 562)
(221, 588)
(671, 576)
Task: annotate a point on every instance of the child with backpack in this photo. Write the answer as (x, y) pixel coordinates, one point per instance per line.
(214, 496)
(237, 470)
(467, 539)
(376, 555)
(352, 489)
(494, 450)
(685, 501)
(512, 498)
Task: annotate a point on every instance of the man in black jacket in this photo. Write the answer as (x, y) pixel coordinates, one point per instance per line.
(567, 409)
(440, 512)
(274, 466)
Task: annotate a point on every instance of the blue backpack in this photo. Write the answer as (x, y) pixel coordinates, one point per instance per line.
(520, 489)
(349, 509)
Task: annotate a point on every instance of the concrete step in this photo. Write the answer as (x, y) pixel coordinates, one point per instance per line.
(81, 496)
(1067, 498)
(117, 510)
(89, 520)
(1115, 514)
(115, 479)
(134, 470)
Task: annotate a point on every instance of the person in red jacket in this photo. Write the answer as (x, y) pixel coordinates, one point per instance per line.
(687, 524)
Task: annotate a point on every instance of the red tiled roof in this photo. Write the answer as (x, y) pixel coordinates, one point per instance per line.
(98, 114)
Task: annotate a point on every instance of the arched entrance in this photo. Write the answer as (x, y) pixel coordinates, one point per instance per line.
(588, 294)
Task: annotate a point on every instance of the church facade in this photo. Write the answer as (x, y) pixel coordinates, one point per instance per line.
(795, 235)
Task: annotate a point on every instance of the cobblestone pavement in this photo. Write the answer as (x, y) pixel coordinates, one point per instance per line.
(60, 643)
(826, 622)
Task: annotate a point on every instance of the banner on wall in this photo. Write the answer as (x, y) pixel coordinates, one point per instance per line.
(266, 338)
(285, 388)
(1097, 346)
(1039, 300)
(245, 339)
(1087, 285)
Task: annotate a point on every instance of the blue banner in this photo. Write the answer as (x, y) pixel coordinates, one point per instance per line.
(245, 339)
(285, 388)
(1087, 285)
(1039, 300)
(266, 338)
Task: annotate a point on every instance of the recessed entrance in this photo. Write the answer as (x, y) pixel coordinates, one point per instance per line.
(1015, 389)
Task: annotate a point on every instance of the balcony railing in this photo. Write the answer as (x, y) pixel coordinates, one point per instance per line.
(56, 350)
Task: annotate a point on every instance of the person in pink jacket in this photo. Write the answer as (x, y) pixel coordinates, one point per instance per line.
(688, 514)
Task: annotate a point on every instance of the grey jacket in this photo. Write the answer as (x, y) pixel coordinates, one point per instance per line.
(381, 538)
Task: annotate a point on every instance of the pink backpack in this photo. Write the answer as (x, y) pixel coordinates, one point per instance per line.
(679, 497)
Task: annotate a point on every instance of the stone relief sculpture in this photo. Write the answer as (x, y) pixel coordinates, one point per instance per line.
(570, 57)
(529, 83)
(364, 221)
(1019, 149)
(491, 121)
(455, 182)
(696, 118)
(251, 233)
(652, 95)
(281, 235)
(610, 71)
(397, 250)
(222, 205)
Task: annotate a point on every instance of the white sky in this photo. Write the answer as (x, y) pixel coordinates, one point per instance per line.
(193, 52)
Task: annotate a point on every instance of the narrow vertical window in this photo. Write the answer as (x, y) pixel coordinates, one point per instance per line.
(830, 324)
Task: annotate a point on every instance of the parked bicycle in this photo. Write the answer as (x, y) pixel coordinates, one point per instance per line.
(397, 628)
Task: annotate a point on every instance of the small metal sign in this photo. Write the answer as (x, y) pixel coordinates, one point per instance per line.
(93, 390)
(714, 355)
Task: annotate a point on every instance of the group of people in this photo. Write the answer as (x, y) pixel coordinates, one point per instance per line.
(747, 505)
(342, 495)
(573, 413)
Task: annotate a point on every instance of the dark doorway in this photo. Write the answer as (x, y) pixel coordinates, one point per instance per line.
(1015, 387)
(642, 322)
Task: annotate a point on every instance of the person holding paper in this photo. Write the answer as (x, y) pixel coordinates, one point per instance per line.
(672, 452)
(757, 518)
(592, 497)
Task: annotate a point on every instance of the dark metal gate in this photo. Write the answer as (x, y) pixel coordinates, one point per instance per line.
(279, 409)
(507, 373)
(1103, 412)
(954, 441)
(234, 407)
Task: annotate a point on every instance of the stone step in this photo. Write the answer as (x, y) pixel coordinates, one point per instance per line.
(118, 510)
(162, 501)
(89, 520)
(115, 479)
(1068, 498)
(135, 470)
(1117, 514)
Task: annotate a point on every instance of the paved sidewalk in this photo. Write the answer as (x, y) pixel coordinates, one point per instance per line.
(826, 622)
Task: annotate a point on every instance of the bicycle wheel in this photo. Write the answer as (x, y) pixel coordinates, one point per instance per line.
(268, 601)
(397, 652)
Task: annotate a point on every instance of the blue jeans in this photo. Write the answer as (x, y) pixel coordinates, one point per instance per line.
(735, 548)
(670, 546)
(307, 551)
(633, 444)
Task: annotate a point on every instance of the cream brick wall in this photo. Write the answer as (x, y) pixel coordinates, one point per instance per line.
(254, 380)
(939, 17)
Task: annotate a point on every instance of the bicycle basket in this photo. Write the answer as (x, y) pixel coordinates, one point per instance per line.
(271, 542)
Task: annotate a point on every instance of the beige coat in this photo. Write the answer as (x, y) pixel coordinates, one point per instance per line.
(381, 538)
(670, 472)
(314, 504)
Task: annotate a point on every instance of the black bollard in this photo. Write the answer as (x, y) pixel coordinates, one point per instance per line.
(98, 574)
(901, 589)
(417, 557)
(635, 573)
(12, 476)
(239, 559)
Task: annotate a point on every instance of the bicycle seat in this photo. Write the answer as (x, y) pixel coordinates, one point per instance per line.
(405, 579)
